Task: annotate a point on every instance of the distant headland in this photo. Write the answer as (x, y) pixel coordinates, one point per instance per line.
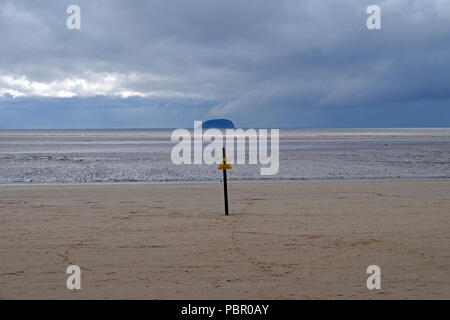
(218, 123)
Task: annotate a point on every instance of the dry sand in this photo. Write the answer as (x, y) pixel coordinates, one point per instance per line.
(309, 240)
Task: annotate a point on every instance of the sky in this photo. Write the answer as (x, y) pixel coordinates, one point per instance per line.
(274, 64)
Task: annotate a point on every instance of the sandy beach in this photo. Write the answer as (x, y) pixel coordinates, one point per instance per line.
(311, 240)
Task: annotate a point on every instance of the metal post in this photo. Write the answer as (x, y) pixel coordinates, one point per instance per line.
(225, 191)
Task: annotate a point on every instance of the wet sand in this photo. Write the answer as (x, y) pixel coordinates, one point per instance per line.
(311, 240)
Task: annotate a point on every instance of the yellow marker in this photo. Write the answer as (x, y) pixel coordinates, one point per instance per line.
(224, 165)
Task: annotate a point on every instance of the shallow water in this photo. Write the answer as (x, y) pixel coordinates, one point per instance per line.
(117, 156)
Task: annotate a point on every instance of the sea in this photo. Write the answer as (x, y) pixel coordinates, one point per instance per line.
(144, 156)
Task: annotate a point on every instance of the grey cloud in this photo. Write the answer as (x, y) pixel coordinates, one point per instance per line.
(242, 59)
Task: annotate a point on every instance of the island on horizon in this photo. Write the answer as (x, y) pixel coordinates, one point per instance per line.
(218, 124)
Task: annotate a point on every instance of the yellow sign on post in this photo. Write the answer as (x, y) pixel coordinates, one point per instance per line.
(225, 166)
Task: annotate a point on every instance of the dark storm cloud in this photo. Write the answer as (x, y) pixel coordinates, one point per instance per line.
(261, 63)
